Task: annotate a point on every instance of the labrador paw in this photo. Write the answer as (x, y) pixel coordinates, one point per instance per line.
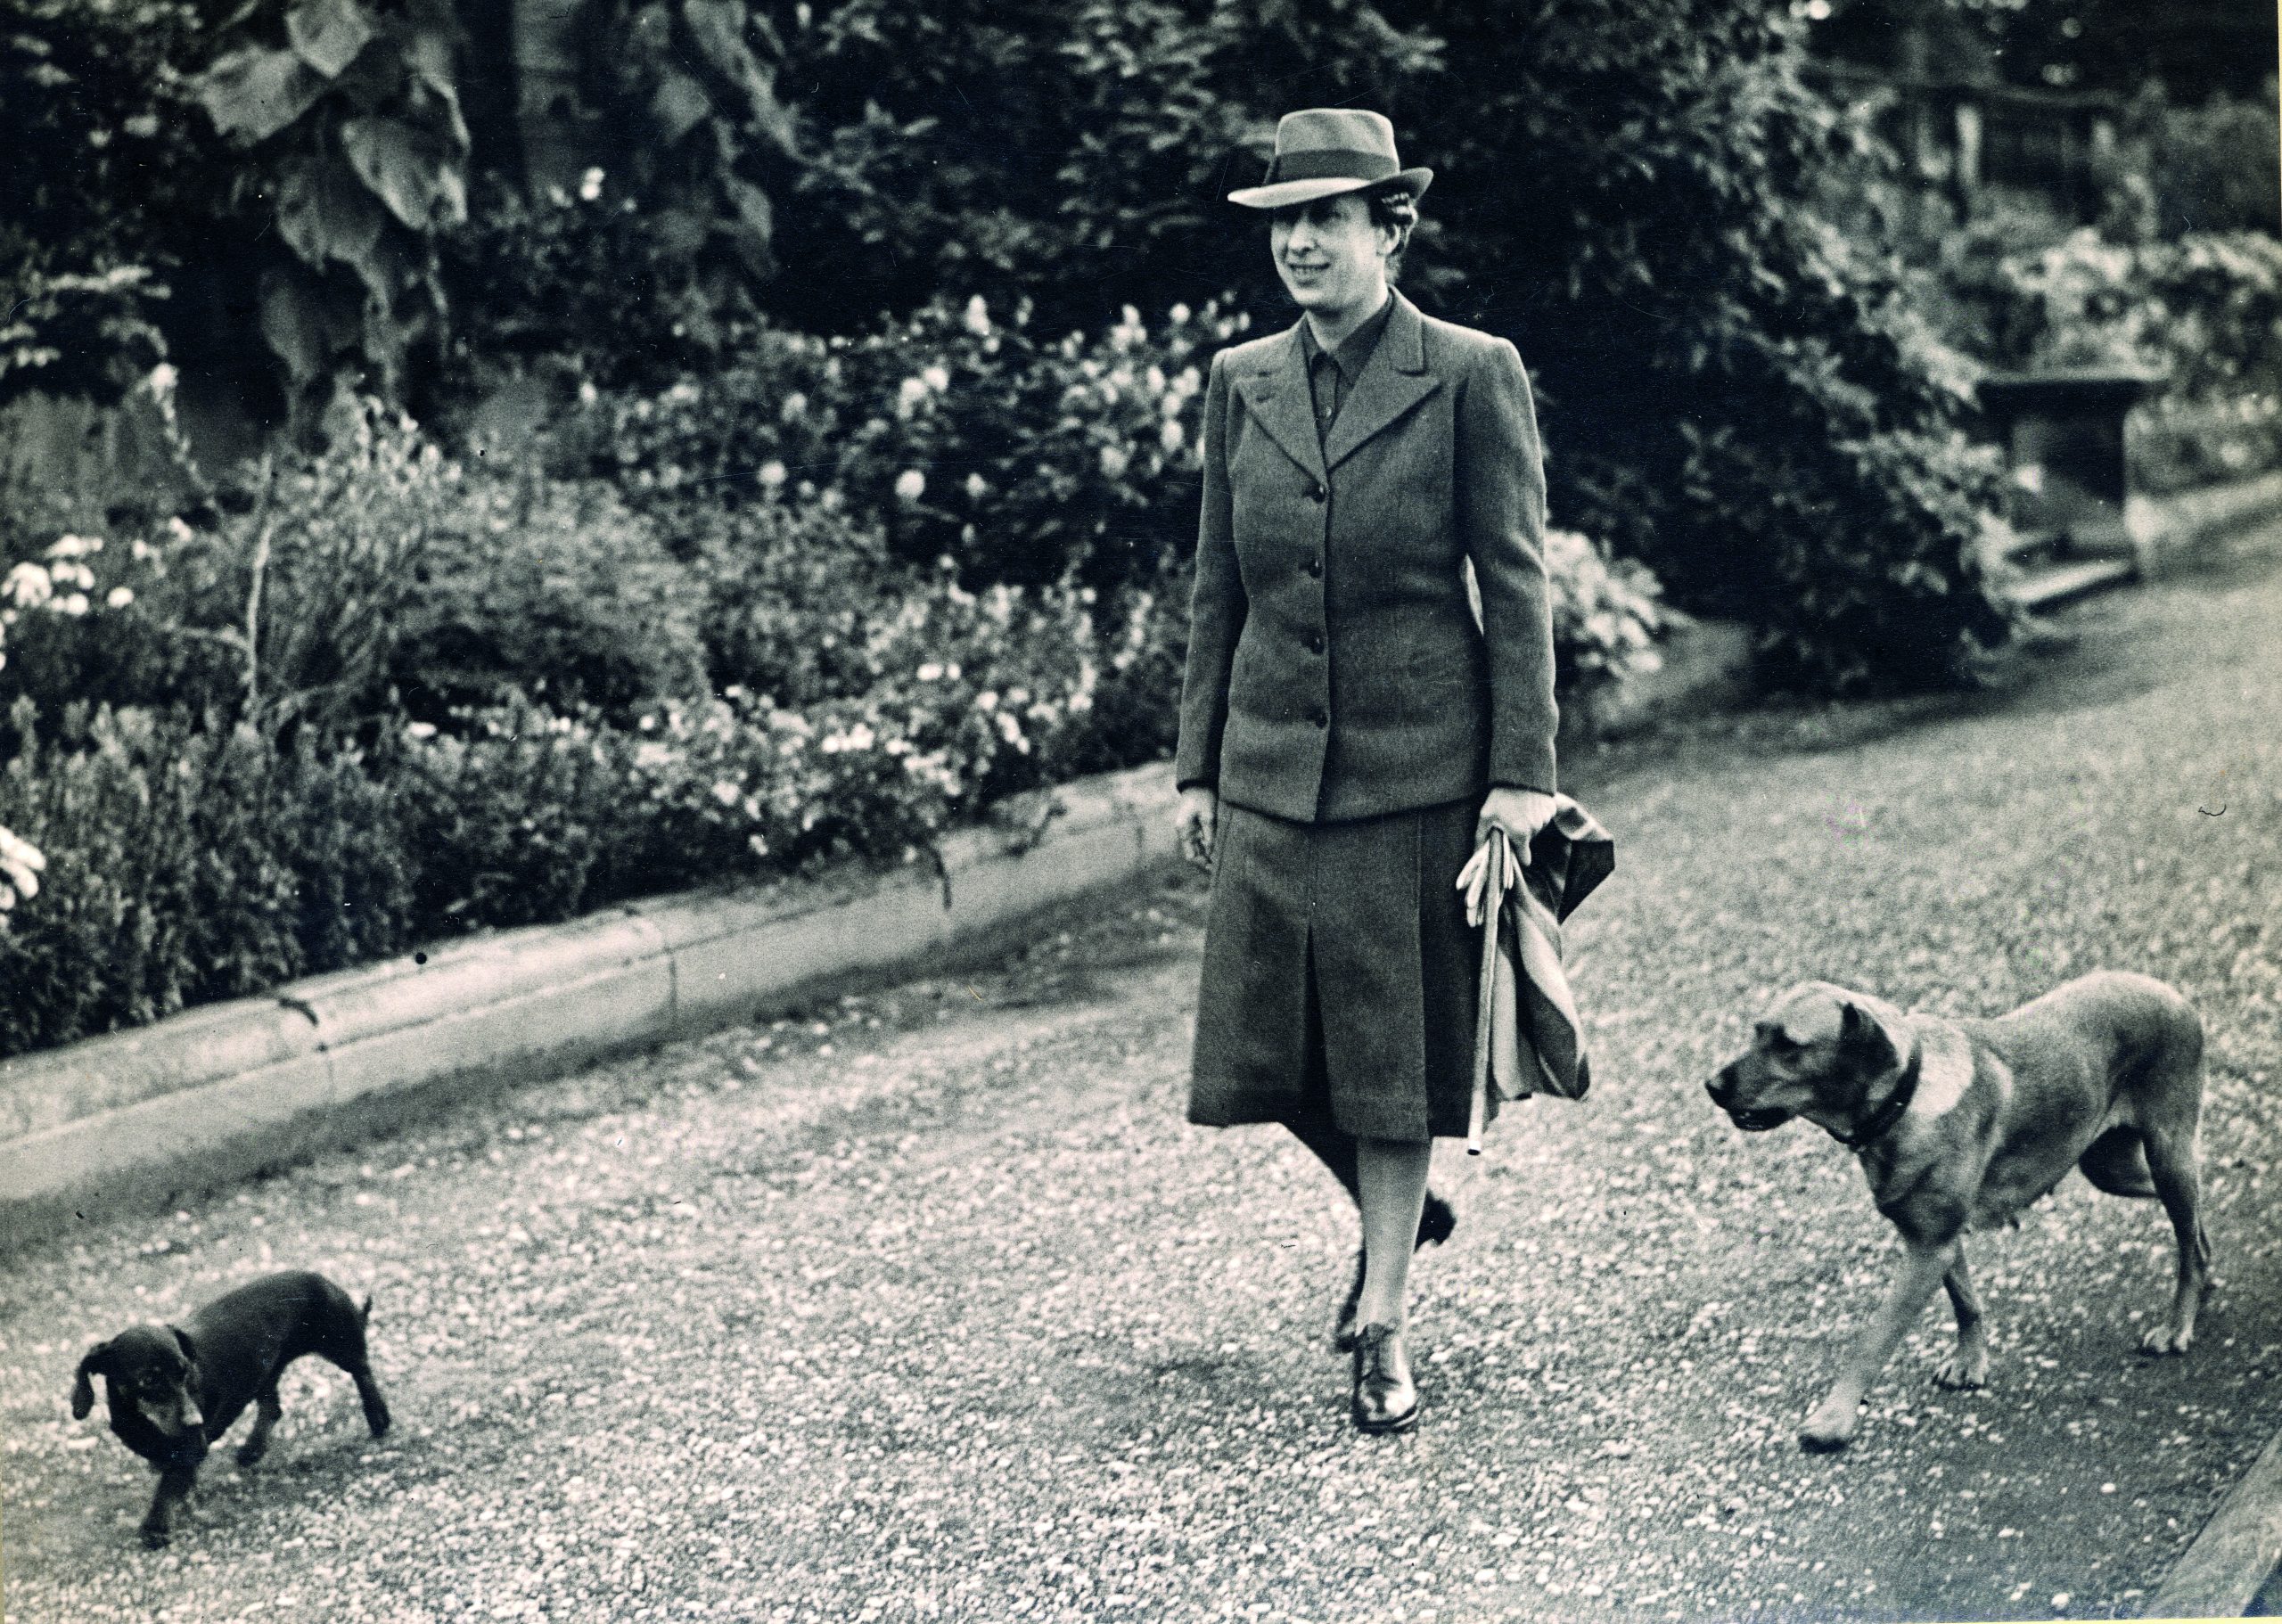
(155, 1538)
(250, 1452)
(1968, 1372)
(1826, 1433)
(2165, 1341)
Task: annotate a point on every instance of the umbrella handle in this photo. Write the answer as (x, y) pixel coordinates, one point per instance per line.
(1493, 896)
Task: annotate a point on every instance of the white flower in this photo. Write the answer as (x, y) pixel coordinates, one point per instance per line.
(951, 670)
(986, 702)
(30, 585)
(1172, 435)
(163, 377)
(908, 394)
(179, 528)
(910, 484)
(772, 474)
(20, 863)
(936, 377)
(120, 597)
(861, 737)
(587, 393)
(590, 185)
(977, 319)
(1179, 315)
(726, 793)
(1113, 461)
(420, 730)
(76, 546)
(976, 485)
(794, 405)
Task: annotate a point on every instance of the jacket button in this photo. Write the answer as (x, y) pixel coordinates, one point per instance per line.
(1314, 568)
(1317, 493)
(1315, 642)
(1319, 719)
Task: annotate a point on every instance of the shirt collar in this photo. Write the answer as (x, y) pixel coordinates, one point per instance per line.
(1355, 350)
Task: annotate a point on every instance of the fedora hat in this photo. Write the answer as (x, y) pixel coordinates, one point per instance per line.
(1322, 152)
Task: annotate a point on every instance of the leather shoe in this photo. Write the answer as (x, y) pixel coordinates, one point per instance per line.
(1436, 1220)
(1386, 1399)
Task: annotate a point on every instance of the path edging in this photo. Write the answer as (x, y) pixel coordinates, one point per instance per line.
(142, 1120)
(2226, 1565)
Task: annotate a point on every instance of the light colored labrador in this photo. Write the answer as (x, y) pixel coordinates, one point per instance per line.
(1959, 1125)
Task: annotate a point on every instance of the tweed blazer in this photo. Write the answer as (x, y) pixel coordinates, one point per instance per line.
(1335, 668)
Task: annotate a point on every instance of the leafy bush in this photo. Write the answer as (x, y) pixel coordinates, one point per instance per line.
(102, 163)
(284, 604)
(2212, 168)
(2174, 446)
(578, 287)
(185, 863)
(550, 588)
(355, 154)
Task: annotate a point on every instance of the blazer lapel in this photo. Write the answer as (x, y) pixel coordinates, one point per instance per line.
(1395, 380)
(1276, 393)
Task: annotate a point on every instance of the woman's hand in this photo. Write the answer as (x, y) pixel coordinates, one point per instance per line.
(1520, 814)
(1193, 823)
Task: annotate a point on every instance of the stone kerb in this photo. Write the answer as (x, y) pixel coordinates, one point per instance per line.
(136, 1121)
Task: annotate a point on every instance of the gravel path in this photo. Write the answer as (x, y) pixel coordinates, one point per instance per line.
(927, 1306)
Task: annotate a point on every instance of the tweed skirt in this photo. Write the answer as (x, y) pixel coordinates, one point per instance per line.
(1340, 974)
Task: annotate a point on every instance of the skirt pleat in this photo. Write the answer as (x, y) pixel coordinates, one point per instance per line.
(1339, 971)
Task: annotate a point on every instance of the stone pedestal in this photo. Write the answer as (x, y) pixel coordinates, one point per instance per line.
(2062, 432)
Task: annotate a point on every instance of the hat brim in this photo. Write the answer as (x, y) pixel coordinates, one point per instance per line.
(1285, 193)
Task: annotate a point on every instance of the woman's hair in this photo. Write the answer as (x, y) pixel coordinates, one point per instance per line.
(1399, 209)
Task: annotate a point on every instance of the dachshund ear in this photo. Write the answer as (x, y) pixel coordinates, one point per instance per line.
(182, 1340)
(97, 1362)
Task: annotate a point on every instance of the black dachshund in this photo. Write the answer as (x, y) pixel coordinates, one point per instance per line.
(173, 1390)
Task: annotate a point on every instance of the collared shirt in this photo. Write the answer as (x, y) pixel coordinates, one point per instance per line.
(1331, 373)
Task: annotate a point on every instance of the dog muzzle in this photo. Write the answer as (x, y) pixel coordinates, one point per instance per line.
(1751, 1118)
(1758, 1121)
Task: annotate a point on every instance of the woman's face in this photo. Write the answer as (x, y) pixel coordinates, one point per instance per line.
(1333, 259)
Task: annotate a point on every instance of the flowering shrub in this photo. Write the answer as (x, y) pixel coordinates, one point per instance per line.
(282, 602)
(21, 866)
(381, 698)
(960, 432)
(1607, 614)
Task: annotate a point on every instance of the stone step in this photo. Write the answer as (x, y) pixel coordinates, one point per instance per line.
(2049, 587)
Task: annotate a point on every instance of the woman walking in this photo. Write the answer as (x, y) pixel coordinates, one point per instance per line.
(1349, 734)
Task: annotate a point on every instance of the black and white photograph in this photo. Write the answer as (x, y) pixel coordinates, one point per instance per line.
(981, 812)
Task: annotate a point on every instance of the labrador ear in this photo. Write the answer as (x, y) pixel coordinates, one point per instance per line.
(97, 1363)
(182, 1340)
(1865, 1030)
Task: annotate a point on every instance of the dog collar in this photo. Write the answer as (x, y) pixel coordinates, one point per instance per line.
(1884, 1117)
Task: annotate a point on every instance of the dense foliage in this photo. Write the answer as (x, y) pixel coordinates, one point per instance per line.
(1729, 393)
